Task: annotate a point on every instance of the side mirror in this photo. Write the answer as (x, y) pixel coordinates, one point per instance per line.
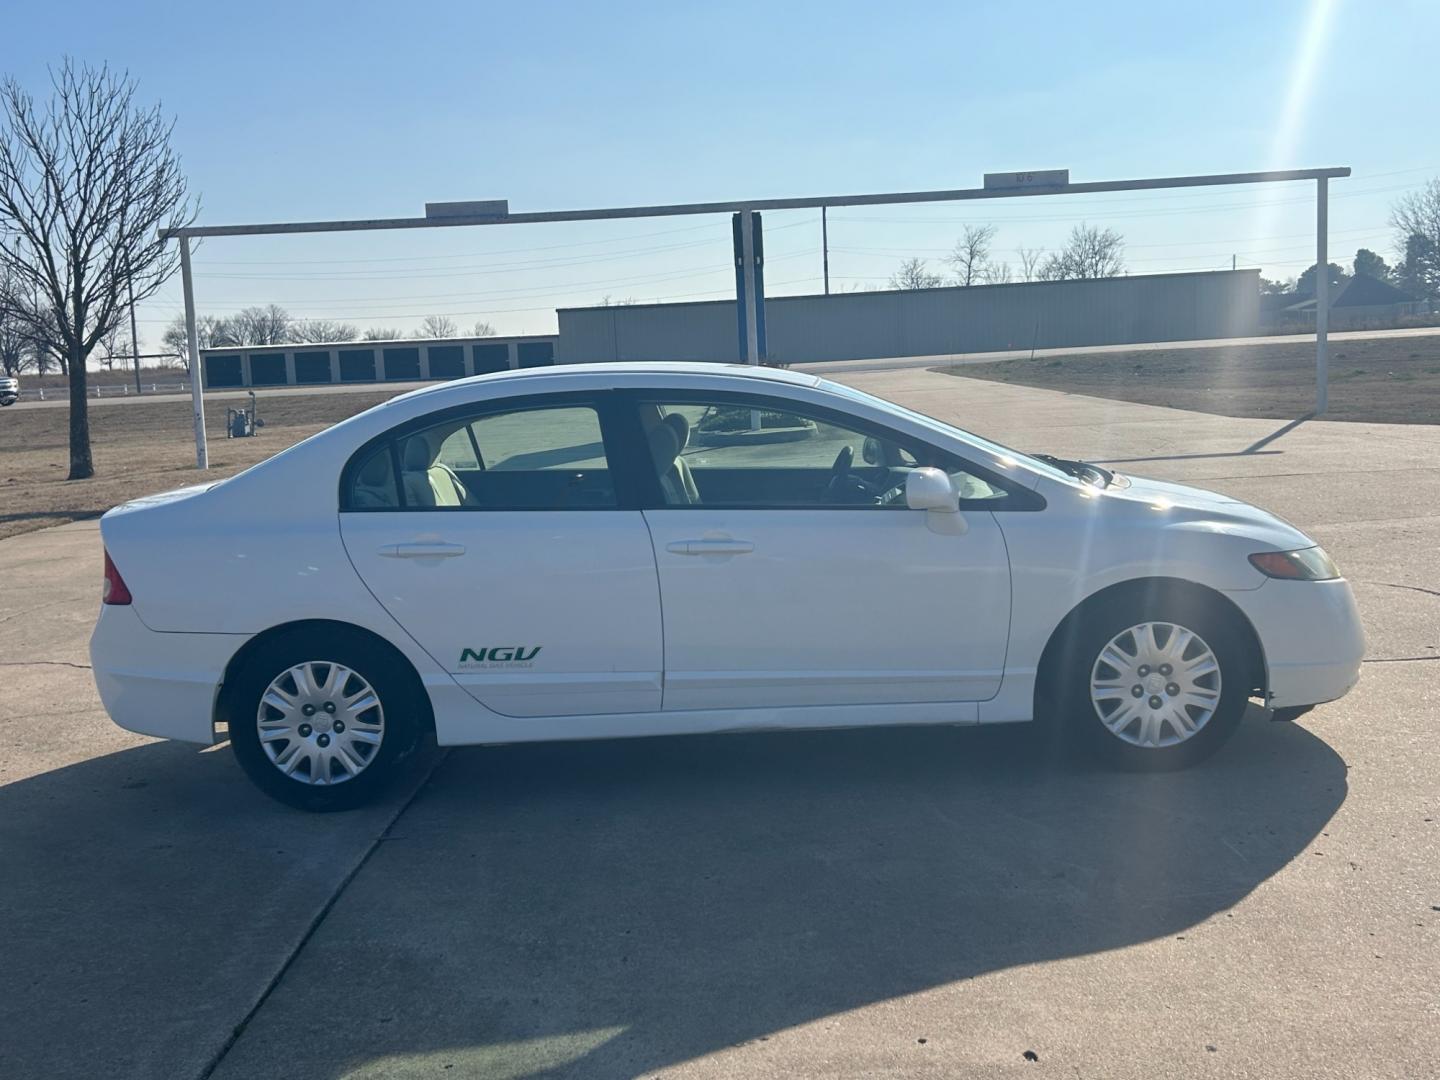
(931, 489)
(870, 451)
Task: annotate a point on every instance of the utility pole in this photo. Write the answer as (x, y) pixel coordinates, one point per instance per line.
(1232, 262)
(825, 246)
(192, 349)
(134, 339)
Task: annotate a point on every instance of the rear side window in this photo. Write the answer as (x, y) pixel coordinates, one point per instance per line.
(521, 459)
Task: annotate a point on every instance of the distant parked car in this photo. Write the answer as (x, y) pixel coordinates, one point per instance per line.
(9, 391)
(644, 549)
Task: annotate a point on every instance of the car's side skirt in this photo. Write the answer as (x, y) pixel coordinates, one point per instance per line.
(460, 727)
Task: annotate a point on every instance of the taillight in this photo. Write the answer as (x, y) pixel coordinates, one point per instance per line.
(114, 591)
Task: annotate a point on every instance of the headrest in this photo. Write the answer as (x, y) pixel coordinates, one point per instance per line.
(664, 447)
(681, 427)
(417, 454)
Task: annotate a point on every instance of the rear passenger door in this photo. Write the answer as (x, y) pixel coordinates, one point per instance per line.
(503, 538)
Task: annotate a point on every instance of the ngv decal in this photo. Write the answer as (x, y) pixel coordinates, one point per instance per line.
(500, 656)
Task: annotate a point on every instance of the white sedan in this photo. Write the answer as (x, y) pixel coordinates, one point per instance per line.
(645, 549)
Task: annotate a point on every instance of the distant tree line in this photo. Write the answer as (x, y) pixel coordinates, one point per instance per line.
(1089, 252)
(1415, 217)
(271, 324)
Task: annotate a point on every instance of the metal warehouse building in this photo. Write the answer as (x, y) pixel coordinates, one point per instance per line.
(927, 322)
(373, 361)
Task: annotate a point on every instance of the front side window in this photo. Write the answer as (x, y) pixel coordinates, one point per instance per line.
(523, 459)
(768, 453)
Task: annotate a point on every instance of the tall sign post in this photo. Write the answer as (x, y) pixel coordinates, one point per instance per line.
(745, 228)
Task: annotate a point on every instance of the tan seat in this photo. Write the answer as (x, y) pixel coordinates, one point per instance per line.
(667, 440)
(681, 426)
(429, 482)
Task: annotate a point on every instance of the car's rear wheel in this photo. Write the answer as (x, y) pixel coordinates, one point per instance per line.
(323, 722)
(1152, 690)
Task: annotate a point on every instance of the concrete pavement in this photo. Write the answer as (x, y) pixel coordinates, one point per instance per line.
(881, 903)
(147, 898)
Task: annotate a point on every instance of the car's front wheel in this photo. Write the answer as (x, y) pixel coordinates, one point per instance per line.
(323, 722)
(1153, 689)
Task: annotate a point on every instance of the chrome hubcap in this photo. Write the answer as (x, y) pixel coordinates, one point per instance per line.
(1155, 684)
(320, 723)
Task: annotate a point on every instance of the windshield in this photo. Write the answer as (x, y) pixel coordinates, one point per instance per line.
(995, 448)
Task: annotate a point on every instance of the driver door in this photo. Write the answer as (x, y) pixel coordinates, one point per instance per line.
(792, 573)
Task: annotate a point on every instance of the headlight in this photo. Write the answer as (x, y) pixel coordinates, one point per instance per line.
(1307, 564)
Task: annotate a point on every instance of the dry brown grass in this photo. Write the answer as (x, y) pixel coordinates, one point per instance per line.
(1379, 380)
(141, 448)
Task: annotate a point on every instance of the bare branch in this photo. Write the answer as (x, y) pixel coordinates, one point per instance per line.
(438, 326)
(913, 274)
(971, 257)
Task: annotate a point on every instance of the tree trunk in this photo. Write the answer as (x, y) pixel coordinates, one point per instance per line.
(81, 466)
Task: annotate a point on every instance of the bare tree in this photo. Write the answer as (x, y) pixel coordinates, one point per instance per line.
(913, 274)
(15, 345)
(269, 324)
(1030, 262)
(971, 256)
(482, 329)
(115, 347)
(315, 331)
(438, 326)
(1416, 218)
(87, 180)
(381, 333)
(1090, 252)
(211, 330)
(998, 274)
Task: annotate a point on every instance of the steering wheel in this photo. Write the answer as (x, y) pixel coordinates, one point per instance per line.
(839, 474)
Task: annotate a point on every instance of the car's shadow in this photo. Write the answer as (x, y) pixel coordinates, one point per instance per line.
(607, 909)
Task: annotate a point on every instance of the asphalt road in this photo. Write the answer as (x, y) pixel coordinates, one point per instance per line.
(904, 903)
(849, 367)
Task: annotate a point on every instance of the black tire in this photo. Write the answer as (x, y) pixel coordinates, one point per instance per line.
(405, 715)
(1082, 728)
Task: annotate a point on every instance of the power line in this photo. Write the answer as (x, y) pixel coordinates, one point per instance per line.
(478, 269)
(668, 275)
(909, 250)
(1123, 214)
(718, 293)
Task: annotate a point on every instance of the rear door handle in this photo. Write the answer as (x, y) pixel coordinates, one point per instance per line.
(710, 547)
(431, 550)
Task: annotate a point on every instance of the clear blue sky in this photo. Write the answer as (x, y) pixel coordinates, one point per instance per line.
(320, 110)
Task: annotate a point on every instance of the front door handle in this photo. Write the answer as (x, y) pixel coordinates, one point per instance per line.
(430, 550)
(710, 547)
